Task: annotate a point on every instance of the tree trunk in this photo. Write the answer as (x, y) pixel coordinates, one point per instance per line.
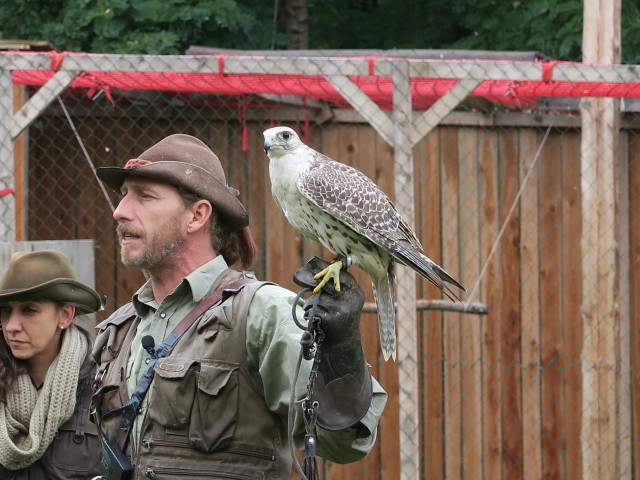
(293, 20)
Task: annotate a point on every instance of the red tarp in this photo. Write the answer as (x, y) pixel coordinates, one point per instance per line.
(425, 91)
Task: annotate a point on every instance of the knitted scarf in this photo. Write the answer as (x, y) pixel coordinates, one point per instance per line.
(30, 418)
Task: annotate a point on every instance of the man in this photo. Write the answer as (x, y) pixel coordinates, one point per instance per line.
(218, 402)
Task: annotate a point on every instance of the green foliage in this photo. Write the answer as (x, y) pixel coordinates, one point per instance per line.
(384, 24)
(551, 27)
(630, 32)
(134, 26)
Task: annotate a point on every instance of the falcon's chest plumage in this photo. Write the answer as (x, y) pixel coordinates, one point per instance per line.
(288, 173)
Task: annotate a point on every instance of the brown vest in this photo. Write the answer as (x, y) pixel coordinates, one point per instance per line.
(207, 417)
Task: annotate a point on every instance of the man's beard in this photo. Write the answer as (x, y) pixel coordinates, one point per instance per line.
(161, 249)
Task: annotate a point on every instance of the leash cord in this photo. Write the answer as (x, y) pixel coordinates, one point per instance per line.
(311, 335)
(508, 217)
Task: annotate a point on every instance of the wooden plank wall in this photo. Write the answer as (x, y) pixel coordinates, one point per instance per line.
(634, 295)
(502, 393)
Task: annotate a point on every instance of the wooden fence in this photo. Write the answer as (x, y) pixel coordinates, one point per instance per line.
(502, 394)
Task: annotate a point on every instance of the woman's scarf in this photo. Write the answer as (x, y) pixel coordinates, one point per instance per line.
(30, 418)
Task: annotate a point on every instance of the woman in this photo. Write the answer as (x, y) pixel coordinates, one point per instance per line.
(45, 371)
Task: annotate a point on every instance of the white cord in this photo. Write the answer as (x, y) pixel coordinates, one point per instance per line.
(86, 154)
(506, 220)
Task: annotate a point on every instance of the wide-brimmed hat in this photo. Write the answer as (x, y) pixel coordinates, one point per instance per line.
(46, 275)
(183, 161)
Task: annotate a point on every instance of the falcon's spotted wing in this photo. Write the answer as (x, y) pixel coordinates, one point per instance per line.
(353, 198)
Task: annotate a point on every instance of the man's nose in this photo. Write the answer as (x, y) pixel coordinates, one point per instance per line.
(121, 211)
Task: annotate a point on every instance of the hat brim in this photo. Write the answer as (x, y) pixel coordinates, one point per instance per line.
(63, 290)
(188, 176)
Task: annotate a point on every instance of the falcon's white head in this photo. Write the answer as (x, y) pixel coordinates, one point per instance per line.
(279, 141)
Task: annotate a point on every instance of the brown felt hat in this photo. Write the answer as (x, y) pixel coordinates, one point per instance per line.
(46, 275)
(183, 161)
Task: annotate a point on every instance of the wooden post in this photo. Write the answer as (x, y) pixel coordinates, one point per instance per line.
(20, 168)
(605, 386)
(7, 208)
(409, 393)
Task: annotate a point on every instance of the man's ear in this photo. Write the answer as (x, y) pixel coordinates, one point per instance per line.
(200, 213)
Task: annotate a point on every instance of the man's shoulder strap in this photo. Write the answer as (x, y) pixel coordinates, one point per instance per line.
(210, 300)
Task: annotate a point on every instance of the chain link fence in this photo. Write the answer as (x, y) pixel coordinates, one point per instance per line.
(522, 181)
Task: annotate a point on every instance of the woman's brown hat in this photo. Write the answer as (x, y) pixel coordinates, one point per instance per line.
(46, 275)
(183, 161)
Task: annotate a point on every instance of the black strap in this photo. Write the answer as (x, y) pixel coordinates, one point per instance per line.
(132, 407)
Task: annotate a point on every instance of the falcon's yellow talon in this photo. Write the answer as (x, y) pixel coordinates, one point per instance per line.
(332, 271)
(320, 285)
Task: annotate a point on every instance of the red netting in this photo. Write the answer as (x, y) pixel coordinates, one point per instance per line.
(425, 90)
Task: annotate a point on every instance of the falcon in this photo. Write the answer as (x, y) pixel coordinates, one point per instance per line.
(345, 211)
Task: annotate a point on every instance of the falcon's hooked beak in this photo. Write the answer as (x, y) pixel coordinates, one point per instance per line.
(267, 145)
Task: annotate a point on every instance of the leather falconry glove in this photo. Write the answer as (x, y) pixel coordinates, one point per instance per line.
(343, 387)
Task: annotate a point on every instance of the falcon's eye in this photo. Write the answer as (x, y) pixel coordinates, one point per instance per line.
(286, 135)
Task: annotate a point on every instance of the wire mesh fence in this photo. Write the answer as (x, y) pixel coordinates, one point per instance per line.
(520, 180)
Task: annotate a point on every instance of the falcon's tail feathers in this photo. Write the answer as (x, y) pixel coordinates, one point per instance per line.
(448, 278)
(383, 293)
(429, 270)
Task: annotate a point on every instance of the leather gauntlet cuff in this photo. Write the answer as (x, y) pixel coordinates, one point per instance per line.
(343, 401)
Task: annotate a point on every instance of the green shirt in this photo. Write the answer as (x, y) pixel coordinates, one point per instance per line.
(272, 362)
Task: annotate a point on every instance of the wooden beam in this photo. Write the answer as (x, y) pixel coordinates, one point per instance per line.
(471, 360)
(409, 395)
(452, 331)
(41, 100)
(20, 168)
(7, 207)
(413, 53)
(530, 313)
(609, 72)
(476, 308)
(341, 115)
(364, 105)
(25, 61)
(602, 404)
(623, 227)
(442, 107)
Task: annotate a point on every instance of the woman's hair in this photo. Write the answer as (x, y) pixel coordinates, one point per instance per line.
(11, 367)
(237, 247)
